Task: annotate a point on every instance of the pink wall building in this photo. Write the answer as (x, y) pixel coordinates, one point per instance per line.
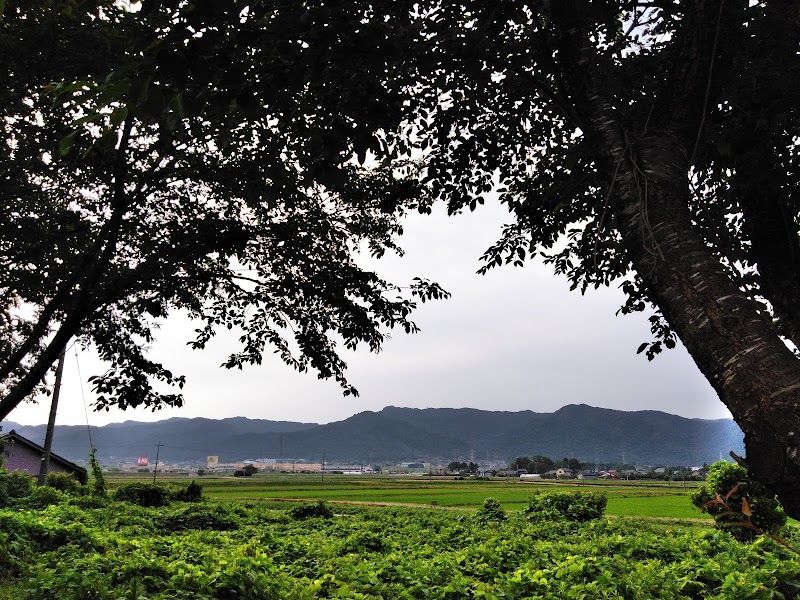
(20, 453)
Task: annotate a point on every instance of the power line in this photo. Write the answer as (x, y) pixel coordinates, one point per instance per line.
(83, 397)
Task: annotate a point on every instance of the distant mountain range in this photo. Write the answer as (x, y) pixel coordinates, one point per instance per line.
(410, 434)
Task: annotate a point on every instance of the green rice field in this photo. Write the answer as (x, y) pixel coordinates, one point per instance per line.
(646, 499)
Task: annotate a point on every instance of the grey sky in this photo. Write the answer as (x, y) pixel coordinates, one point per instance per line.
(514, 339)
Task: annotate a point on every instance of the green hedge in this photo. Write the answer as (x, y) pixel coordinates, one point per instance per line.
(570, 506)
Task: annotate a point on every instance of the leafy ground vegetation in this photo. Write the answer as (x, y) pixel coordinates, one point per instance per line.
(85, 547)
(740, 504)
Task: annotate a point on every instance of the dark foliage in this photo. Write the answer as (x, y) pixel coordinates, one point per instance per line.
(491, 512)
(19, 484)
(41, 497)
(191, 493)
(210, 158)
(736, 502)
(318, 510)
(570, 506)
(148, 168)
(65, 482)
(143, 494)
(202, 517)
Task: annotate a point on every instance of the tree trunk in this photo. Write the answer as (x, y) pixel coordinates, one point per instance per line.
(729, 336)
(646, 161)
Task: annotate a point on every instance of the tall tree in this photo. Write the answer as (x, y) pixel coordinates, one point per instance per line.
(646, 143)
(650, 144)
(195, 156)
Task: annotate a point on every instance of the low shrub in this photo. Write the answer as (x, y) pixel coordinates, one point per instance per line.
(41, 497)
(490, 512)
(153, 494)
(311, 511)
(88, 501)
(64, 482)
(738, 503)
(16, 548)
(571, 506)
(19, 484)
(143, 494)
(206, 517)
(363, 542)
(191, 493)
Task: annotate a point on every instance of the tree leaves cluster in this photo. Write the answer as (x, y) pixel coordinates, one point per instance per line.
(649, 145)
(210, 157)
(738, 503)
(542, 464)
(195, 156)
(463, 467)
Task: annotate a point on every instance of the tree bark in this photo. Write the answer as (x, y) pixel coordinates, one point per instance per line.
(646, 162)
(731, 339)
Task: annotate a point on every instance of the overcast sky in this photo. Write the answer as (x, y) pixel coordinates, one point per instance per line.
(515, 339)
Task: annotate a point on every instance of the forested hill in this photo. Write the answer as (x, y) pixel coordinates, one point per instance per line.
(407, 434)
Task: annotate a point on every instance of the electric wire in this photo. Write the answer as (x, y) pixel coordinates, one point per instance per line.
(83, 396)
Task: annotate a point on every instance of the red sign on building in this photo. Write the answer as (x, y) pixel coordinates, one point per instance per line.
(143, 461)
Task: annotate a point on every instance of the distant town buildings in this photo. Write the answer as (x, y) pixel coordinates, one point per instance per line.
(263, 464)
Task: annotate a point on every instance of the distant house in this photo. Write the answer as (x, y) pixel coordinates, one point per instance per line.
(507, 473)
(21, 454)
(565, 473)
(588, 474)
(612, 474)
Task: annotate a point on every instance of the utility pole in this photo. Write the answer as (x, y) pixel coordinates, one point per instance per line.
(51, 422)
(158, 451)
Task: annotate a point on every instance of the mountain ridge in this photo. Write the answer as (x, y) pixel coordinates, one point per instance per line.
(394, 434)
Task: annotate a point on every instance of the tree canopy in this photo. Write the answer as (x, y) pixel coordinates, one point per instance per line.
(647, 144)
(195, 156)
(651, 145)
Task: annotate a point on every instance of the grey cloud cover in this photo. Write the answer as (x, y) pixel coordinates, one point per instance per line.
(514, 339)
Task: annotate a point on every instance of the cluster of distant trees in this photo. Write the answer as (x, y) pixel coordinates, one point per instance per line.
(247, 471)
(462, 467)
(542, 464)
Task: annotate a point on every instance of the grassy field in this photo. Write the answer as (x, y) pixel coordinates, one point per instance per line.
(629, 499)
